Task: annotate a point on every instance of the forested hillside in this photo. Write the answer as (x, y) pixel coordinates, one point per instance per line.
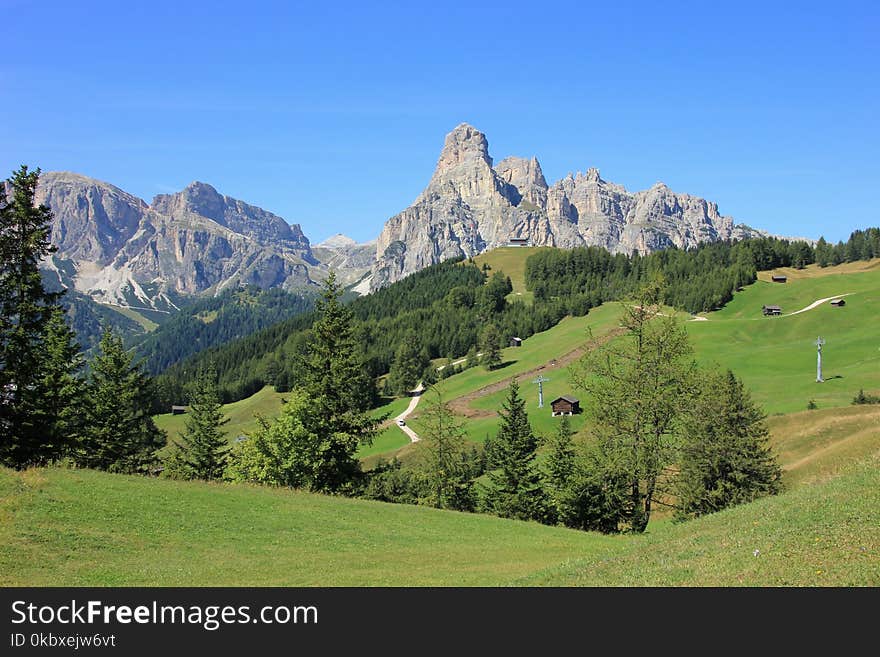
(208, 322)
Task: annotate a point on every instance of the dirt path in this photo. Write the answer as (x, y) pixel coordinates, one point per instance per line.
(413, 436)
(815, 304)
(818, 303)
(462, 406)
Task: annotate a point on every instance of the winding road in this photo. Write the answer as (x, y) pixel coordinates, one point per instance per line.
(417, 396)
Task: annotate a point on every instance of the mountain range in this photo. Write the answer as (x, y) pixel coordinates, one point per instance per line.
(120, 250)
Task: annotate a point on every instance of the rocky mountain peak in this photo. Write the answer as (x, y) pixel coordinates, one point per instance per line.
(337, 241)
(469, 207)
(464, 145)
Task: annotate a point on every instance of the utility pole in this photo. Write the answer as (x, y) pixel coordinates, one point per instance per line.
(540, 381)
(819, 343)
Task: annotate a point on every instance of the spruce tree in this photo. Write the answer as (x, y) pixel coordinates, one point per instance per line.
(409, 364)
(725, 458)
(25, 309)
(445, 463)
(339, 389)
(201, 452)
(515, 490)
(559, 467)
(119, 433)
(62, 390)
(490, 344)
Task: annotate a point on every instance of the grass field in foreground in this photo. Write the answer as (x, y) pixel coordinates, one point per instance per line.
(68, 528)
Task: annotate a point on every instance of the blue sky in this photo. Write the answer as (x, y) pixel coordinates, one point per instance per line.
(333, 114)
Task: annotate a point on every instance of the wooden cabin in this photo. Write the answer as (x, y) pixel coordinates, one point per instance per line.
(519, 241)
(771, 310)
(515, 342)
(779, 278)
(178, 410)
(565, 405)
(838, 302)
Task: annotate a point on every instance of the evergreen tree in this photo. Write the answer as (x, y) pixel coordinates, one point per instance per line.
(490, 344)
(515, 490)
(201, 453)
(119, 433)
(445, 462)
(61, 390)
(339, 389)
(559, 467)
(725, 458)
(25, 309)
(639, 388)
(409, 364)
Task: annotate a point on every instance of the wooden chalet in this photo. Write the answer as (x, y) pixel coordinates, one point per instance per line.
(565, 405)
(778, 278)
(771, 310)
(519, 241)
(515, 342)
(178, 410)
(838, 302)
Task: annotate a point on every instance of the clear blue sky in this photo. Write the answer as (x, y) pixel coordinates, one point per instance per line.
(333, 114)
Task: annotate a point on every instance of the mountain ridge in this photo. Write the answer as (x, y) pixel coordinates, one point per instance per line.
(471, 205)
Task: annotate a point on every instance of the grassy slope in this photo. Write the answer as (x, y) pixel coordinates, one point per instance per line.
(826, 534)
(511, 260)
(267, 403)
(776, 356)
(63, 527)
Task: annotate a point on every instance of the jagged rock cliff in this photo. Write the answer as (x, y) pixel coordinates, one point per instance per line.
(119, 250)
(469, 206)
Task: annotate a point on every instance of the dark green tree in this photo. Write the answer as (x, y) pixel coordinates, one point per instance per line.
(444, 457)
(559, 467)
(339, 389)
(25, 309)
(61, 388)
(490, 345)
(515, 490)
(725, 457)
(119, 434)
(201, 452)
(409, 364)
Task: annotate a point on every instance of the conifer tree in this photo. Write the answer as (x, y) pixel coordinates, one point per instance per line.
(515, 490)
(559, 467)
(639, 388)
(490, 344)
(25, 309)
(201, 452)
(725, 458)
(61, 388)
(445, 461)
(409, 364)
(339, 389)
(119, 433)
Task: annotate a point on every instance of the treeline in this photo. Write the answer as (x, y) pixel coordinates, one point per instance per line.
(212, 321)
(444, 308)
(697, 280)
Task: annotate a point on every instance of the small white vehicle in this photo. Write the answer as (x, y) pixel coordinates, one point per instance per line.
(401, 423)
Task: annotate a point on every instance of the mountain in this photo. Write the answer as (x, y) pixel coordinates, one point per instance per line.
(470, 206)
(117, 249)
(351, 260)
